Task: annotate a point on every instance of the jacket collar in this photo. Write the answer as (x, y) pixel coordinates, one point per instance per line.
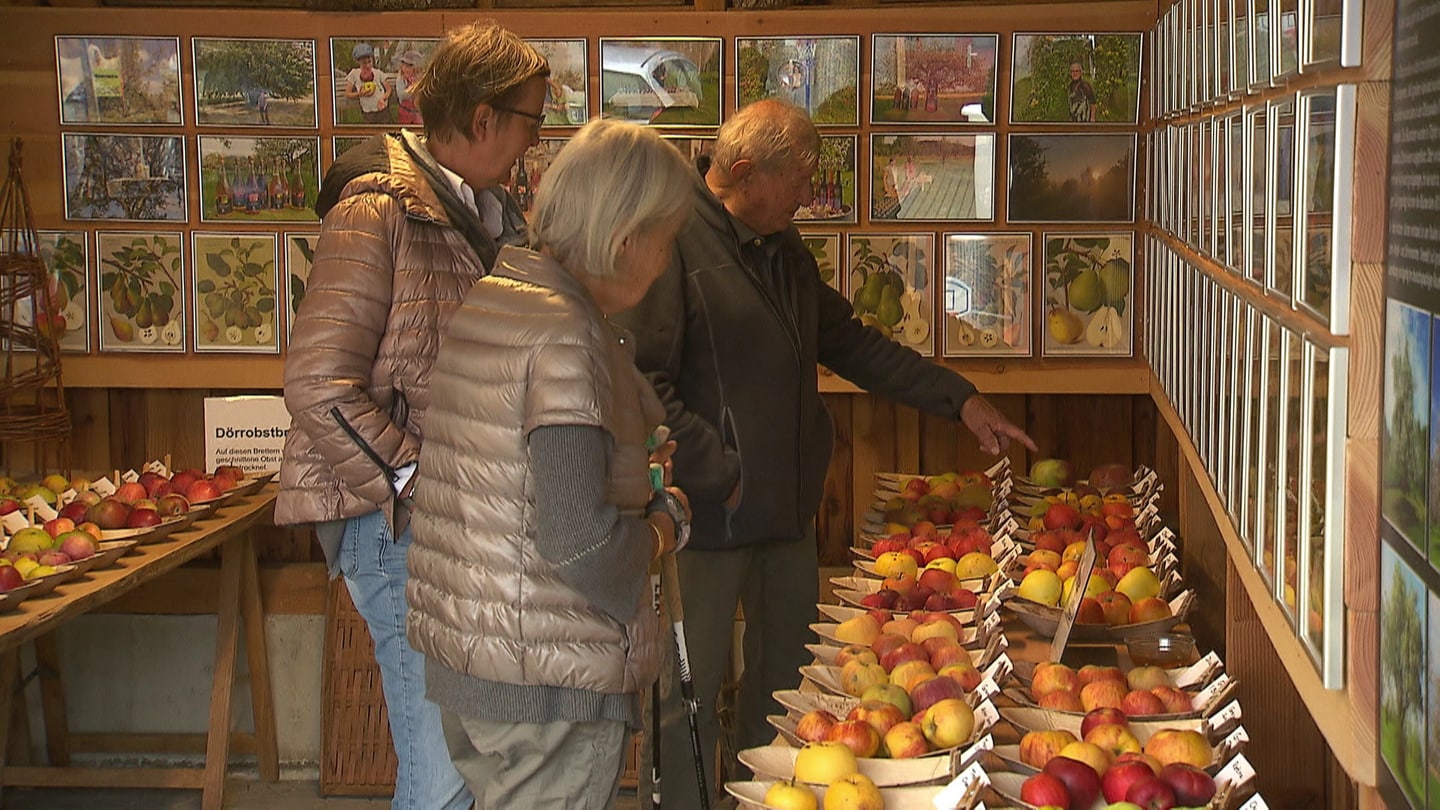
(533, 267)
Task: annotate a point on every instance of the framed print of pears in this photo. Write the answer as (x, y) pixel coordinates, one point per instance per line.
(142, 291)
(299, 260)
(890, 277)
(235, 288)
(1089, 289)
(825, 247)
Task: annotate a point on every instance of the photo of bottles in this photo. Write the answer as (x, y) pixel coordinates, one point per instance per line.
(258, 179)
(531, 166)
(833, 183)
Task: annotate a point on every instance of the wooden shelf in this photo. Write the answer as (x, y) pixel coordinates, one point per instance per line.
(180, 371)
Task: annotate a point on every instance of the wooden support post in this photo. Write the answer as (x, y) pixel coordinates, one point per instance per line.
(262, 702)
(52, 701)
(9, 689)
(227, 634)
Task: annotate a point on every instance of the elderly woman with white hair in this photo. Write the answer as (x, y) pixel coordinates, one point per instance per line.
(535, 519)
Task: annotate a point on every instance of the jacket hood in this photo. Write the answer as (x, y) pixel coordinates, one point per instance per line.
(382, 164)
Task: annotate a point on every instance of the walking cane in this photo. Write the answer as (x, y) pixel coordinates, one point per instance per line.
(670, 581)
(655, 712)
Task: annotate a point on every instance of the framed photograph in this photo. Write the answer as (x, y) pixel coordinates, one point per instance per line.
(236, 283)
(1403, 500)
(142, 291)
(254, 82)
(299, 259)
(1205, 187)
(567, 98)
(1238, 160)
(1206, 46)
(890, 279)
(1268, 415)
(341, 144)
(1235, 409)
(1240, 59)
(1089, 291)
(1224, 391)
(1075, 79)
(67, 260)
(1325, 173)
(1403, 603)
(1248, 462)
(1280, 219)
(1222, 62)
(820, 75)
(1287, 492)
(1257, 197)
(1286, 45)
(662, 81)
(985, 305)
(825, 247)
(931, 176)
(693, 147)
(835, 182)
(1219, 211)
(525, 176)
(372, 80)
(931, 79)
(1193, 185)
(1261, 61)
(130, 178)
(133, 81)
(258, 179)
(1072, 178)
(1328, 32)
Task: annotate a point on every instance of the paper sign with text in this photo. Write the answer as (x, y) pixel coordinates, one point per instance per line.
(247, 432)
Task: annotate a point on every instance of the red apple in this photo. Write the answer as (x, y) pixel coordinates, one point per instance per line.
(58, 526)
(1103, 716)
(10, 579)
(881, 715)
(1048, 541)
(857, 735)
(77, 544)
(109, 513)
(1063, 701)
(142, 518)
(172, 504)
(1103, 693)
(1176, 701)
(1116, 606)
(1151, 794)
(181, 481)
(8, 505)
(75, 511)
(1045, 790)
(1119, 778)
(1144, 759)
(815, 725)
(883, 598)
(933, 690)
(1138, 703)
(1081, 781)
(130, 492)
(203, 491)
(53, 557)
(886, 642)
(1061, 516)
(1193, 787)
(905, 652)
(1090, 673)
(1152, 609)
(1090, 611)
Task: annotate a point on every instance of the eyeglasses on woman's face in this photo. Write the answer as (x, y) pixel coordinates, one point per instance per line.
(537, 120)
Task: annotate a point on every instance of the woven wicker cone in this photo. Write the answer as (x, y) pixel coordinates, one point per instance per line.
(32, 397)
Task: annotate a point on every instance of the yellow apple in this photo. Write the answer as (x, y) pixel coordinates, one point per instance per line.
(854, 792)
(790, 796)
(1140, 583)
(862, 629)
(948, 723)
(943, 563)
(895, 562)
(974, 565)
(821, 763)
(1041, 586)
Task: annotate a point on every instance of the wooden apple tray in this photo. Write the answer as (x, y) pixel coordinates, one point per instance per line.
(1005, 785)
(827, 680)
(1046, 620)
(777, 762)
(986, 716)
(44, 585)
(1212, 702)
(11, 599)
(105, 554)
(1213, 667)
(751, 795)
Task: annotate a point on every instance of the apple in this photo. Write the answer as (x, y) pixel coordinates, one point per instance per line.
(130, 492)
(1051, 473)
(944, 653)
(860, 629)
(1052, 677)
(1151, 609)
(1144, 759)
(1088, 753)
(1147, 678)
(1116, 606)
(1044, 790)
(10, 579)
(901, 583)
(8, 505)
(53, 558)
(1139, 703)
(935, 629)
(74, 511)
(851, 652)
(964, 674)
(1081, 781)
(1044, 559)
(1103, 693)
(948, 723)
(1090, 611)
(1037, 747)
(857, 676)
(225, 482)
(1061, 516)
(1179, 745)
(91, 529)
(1114, 740)
(30, 539)
(935, 689)
(1090, 673)
(1121, 776)
(911, 672)
(109, 513)
(77, 544)
(1140, 583)
(1176, 701)
(892, 694)
(939, 551)
(883, 598)
(1094, 526)
(821, 763)
(58, 526)
(1126, 558)
(1151, 794)
(909, 651)
(1073, 552)
(202, 490)
(1104, 716)
(789, 796)
(901, 626)
(895, 562)
(859, 736)
(815, 725)
(1042, 586)
(885, 642)
(965, 599)
(1193, 787)
(142, 518)
(1061, 701)
(854, 792)
(881, 715)
(905, 741)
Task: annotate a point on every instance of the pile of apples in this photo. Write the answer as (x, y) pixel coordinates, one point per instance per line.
(943, 499)
(936, 587)
(1168, 772)
(1129, 598)
(37, 552)
(833, 766)
(1141, 692)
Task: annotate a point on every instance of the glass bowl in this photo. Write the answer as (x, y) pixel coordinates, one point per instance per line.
(1165, 650)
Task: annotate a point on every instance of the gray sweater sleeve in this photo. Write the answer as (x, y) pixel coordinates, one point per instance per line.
(596, 551)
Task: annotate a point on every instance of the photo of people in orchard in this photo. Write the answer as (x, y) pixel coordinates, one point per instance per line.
(118, 80)
(1075, 79)
(932, 176)
(820, 75)
(567, 102)
(373, 80)
(932, 79)
(255, 82)
(258, 179)
(662, 82)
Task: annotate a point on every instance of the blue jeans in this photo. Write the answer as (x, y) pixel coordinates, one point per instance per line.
(373, 563)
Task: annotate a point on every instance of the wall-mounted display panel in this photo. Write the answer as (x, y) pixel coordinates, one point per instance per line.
(835, 182)
(829, 257)
(891, 284)
(662, 81)
(1072, 178)
(373, 80)
(299, 260)
(142, 291)
(1240, 57)
(1075, 79)
(820, 75)
(986, 304)
(254, 82)
(236, 283)
(929, 79)
(1280, 220)
(134, 81)
(1261, 61)
(1404, 501)
(1257, 195)
(67, 261)
(1089, 289)
(1324, 185)
(1286, 42)
(531, 167)
(933, 176)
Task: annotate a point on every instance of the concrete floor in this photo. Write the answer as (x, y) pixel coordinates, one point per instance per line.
(239, 795)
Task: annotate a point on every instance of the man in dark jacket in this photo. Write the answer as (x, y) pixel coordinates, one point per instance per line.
(731, 336)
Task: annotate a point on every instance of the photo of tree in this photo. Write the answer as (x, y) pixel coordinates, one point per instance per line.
(1403, 674)
(299, 259)
(1072, 178)
(142, 291)
(834, 182)
(136, 178)
(118, 80)
(1406, 417)
(661, 82)
(932, 176)
(255, 82)
(933, 78)
(985, 304)
(1432, 700)
(372, 80)
(567, 102)
(1075, 79)
(235, 288)
(820, 75)
(264, 179)
(890, 277)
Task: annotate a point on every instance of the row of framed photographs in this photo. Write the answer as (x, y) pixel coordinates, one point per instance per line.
(982, 290)
(1266, 408)
(1214, 51)
(136, 290)
(922, 177)
(1265, 191)
(915, 79)
(138, 293)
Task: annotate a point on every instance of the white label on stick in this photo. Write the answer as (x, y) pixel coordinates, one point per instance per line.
(1211, 693)
(1236, 772)
(43, 510)
(1196, 672)
(104, 487)
(1255, 803)
(1224, 717)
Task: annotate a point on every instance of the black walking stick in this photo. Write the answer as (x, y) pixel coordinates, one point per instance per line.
(655, 714)
(670, 581)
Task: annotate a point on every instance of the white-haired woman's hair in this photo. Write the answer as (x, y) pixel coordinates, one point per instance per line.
(610, 182)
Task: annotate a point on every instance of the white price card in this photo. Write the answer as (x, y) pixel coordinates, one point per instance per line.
(986, 715)
(1226, 716)
(999, 669)
(43, 510)
(991, 605)
(1196, 672)
(992, 623)
(963, 757)
(1255, 803)
(958, 790)
(1002, 545)
(1235, 773)
(103, 486)
(1234, 739)
(158, 467)
(986, 689)
(1006, 590)
(129, 476)
(1211, 693)
(64, 498)
(15, 521)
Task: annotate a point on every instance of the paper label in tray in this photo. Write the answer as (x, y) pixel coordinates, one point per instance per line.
(1255, 803)
(1212, 692)
(992, 623)
(103, 486)
(158, 467)
(999, 669)
(43, 510)
(129, 476)
(986, 689)
(1226, 716)
(1234, 740)
(955, 792)
(14, 522)
(1236, 772)
(986, 715)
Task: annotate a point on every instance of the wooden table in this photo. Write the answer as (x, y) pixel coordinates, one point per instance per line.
(239, 599)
